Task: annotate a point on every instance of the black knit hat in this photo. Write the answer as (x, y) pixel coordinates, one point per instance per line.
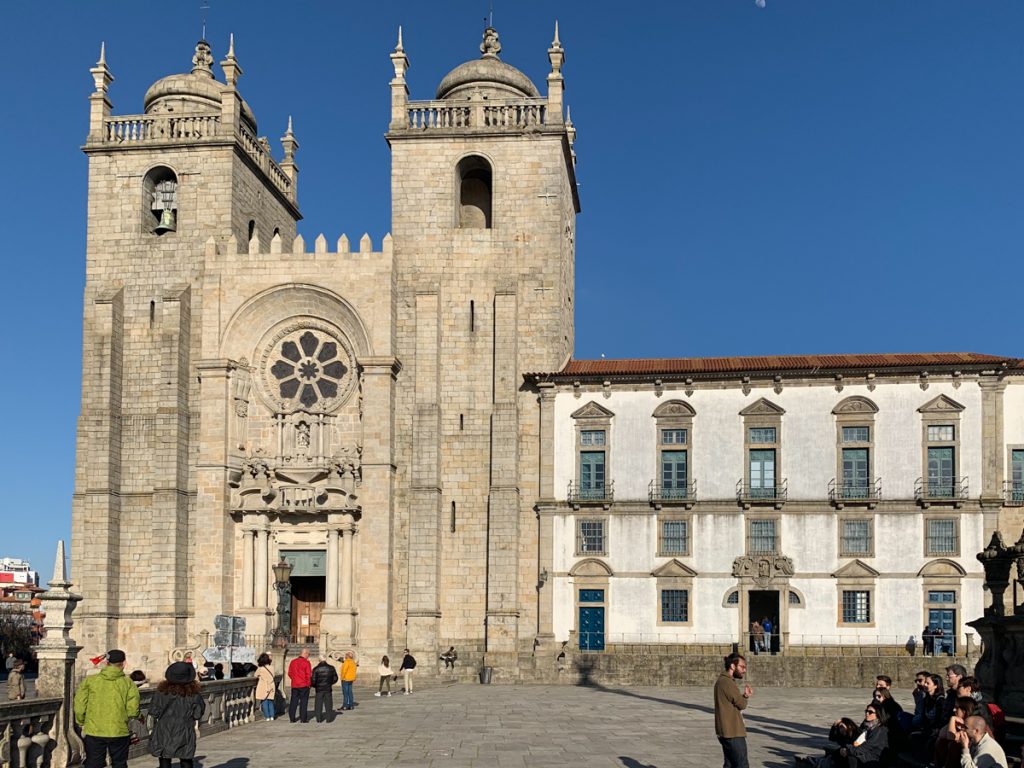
(180, 673)
(115, 657)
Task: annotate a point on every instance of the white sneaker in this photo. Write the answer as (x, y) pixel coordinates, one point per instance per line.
(389, 693)
(408, 692)
(377, 693)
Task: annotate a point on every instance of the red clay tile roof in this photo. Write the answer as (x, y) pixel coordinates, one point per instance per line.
(809, 364)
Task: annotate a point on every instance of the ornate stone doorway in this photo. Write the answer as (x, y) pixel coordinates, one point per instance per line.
(308, 593)
(762, 604)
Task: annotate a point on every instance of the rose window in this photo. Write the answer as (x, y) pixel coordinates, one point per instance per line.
(308, 369)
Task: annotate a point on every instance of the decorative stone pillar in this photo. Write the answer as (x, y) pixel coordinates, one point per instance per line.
(332, 568)
(262, 574)
(347, 566)
(248, 535)
(57, 653)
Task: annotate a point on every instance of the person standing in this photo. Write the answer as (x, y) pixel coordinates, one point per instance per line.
(348, 676)
(16, 681)
(767, 626)
(300, 673)
(757, 633)
(176, 709)
(408, 665)
(266, 688)
(386, 673)
(104, 703)
(324, 676)
(729, 706)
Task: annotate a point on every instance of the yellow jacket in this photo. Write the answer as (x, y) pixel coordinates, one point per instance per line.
(348, 670)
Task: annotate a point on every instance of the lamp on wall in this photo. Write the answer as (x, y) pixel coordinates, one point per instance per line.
(283, 585)
(542, 578)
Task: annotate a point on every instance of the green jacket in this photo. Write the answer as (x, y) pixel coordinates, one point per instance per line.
(104, 703)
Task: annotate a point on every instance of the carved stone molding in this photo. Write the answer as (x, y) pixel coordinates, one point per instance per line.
(762, 569)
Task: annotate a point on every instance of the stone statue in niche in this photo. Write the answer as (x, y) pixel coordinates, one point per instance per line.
(302, 438)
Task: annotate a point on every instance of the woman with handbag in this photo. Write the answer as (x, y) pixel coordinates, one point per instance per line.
(266, 687)
(177, 709)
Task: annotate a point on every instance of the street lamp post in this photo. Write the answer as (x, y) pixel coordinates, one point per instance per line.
(282, 572)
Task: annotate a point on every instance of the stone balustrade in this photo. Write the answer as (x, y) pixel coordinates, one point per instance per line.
(26, 727)
(510, 115)
(137, 129)
(229, 703)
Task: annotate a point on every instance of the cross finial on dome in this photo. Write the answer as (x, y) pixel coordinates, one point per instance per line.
(202, 60)
(490, 47)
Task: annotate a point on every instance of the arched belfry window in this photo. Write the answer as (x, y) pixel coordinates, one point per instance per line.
(160, 200)
(475, 193)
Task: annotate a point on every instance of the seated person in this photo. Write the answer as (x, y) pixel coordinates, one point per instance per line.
(992, 713)
(869, 749)
(947, 753)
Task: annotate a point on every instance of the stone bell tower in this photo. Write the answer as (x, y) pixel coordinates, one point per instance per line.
(188, 170)
(484, 205)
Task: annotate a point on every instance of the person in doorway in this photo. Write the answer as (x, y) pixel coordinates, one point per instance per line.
(348, 676)
(729, 705)
(266, 686)
(386, 673)
(299, 674)
(408, 665)
(177, 708)
(104, 703)
(324, 678)
(757, 635)
(767, 625)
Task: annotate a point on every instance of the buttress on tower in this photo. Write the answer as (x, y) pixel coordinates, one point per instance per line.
(359, 413)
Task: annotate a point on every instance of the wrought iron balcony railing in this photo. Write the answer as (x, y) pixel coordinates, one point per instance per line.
(602, 494)
(681, 493)
(1013, 493)
(846, 492)
(943, 489)
(747, 493)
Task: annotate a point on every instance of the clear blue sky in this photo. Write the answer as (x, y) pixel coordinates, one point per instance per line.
(814, 176)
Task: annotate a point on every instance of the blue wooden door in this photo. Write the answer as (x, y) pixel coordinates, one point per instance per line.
(944, 619)
(591, 620)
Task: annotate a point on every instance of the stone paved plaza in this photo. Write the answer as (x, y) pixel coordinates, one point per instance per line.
(535, 726)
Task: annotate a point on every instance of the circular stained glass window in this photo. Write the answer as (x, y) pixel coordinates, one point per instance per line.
(308, 369)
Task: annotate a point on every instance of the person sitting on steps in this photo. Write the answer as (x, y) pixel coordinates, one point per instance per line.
(449, 657)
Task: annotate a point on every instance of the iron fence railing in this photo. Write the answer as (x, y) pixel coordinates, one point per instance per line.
(601, 494)
(940, 489)
(844, 491)
(762, 494)
(658, 493)
(1013, 493)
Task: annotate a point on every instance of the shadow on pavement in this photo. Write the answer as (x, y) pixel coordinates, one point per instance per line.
(234, 762)
(629, 762)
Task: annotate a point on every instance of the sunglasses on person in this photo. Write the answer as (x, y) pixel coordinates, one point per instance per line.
(870, 712)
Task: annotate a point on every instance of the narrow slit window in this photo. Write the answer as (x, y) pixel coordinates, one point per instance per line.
(453, 517)
(472, 316)
(152, 313)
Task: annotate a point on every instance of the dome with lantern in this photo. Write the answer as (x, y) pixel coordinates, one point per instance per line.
(487, 76)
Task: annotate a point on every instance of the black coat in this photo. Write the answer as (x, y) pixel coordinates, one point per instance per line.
(324, 676)
(174, 732)
(872, 752)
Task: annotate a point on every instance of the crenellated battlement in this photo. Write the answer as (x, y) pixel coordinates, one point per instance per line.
(298, 247)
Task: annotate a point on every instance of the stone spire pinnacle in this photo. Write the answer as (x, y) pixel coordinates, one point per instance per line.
(398, 47)
(555, 54)
(60, 569)
(231, 42)
(490, 47)
(399, 60)
(230, 66)
(101, 74)
(556, 43)
(202, 60)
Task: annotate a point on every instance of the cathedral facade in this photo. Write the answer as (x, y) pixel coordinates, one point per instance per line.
(404, 425)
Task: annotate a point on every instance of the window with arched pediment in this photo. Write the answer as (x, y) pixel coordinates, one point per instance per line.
(855, 439)
(673, 479)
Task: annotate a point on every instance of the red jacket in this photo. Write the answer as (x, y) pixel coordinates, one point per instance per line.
(300, 672)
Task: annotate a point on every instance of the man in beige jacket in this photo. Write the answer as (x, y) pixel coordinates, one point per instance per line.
(729, 706)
